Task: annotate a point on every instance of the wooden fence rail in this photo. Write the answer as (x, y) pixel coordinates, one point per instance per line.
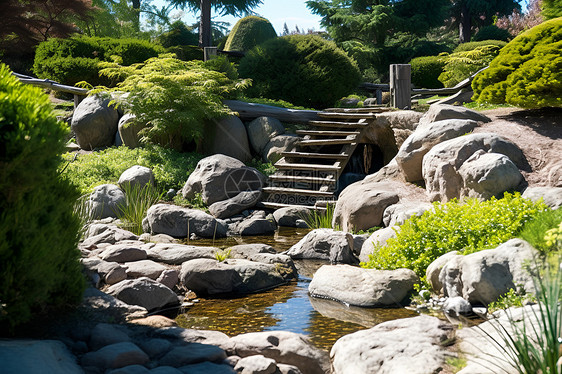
(79, 93)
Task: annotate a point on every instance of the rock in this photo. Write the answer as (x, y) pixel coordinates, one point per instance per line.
(262, 130)
(260, 276)
(105, 334)
(457, 306)
(94, 123)
(400, 119)
(283, 347)
(288, 369)
(159, 238)
(110, 307)
(192, 353)
(169, 278)
(260, 253)
(155, 347)
(122, 253)
(555, 174)
(257, 364)
(136, 176)
(410, 154)
(106, 201)
(255, 226)
(361, 205)
(362, 287)
(128, 129)
(230, 138)
(488, 174)
(552, 196)
(279, 144)
(444, 112)
(237, 204)
(442, 163)
(177, 221)
(144, 292)
(206, 368)
(110, 272)
(288, 216)
(115, 356)
(434, 270)
(217, 338)
(36, 356)
(397, 214)
(220, 177)
(144, 268)
(325, 244)
(483, 276)
(165, 370)
(177, 254)
(379, 237)
(131, 369)
(98, 234)
(155, 321)
(410, 345)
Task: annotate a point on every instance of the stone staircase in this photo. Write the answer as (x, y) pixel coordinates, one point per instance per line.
(309, 176)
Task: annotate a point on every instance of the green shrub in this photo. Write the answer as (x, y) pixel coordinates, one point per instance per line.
(249, 32)
(491, 32)
(527, 72)
(187, 52)
(535, 230)
(461, 65)
(466, 227)
(551, 9)
(179, 35)
(62, 60)
(170, 168)
(302, 69)
(426, 71)
(38, 229)
(473, 45)
(138, 199)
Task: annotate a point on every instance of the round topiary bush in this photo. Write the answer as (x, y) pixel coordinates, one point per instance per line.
(305, 70)
(527, 72)
(470, 46)
(249, 32)
(426, 71)
(491, 32)
(38, 228)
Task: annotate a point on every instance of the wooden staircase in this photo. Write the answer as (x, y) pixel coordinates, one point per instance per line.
(309, 175)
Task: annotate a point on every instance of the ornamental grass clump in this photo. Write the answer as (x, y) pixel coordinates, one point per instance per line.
(138, 199)
(466, 227)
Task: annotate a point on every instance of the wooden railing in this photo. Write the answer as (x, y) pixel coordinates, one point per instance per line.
(79, 93)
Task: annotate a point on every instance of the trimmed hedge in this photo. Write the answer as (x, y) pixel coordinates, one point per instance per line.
(38, 229)
(527, 72)
(491, 32)
(248, 33)
(301, 69)
(426, 71)
(179, 34)
(470, 46)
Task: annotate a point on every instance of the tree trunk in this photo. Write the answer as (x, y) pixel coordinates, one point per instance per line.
(465, 25)
(205, 24)
(136, 9)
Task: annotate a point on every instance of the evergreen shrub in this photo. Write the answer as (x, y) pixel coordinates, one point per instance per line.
(527, 72)
(491, 32)
(179, 34)
(465, 227)
(475, 44)
(305, 70)
(426, 71)
(248, 33)
(461, 65)
(38, 229)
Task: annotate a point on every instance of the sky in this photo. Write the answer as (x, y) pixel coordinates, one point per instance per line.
(278, 12)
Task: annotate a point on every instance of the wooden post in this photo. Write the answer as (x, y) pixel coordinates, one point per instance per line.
(210, 53)
(401, 86)
(378, 95)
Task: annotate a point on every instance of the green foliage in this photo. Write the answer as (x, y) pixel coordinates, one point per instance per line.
(272, 102)
(222, 255)
(266, 168)
(528, 70)
(473, 45)
(173, 98)
(187, 52)
(76, 59)
(461, 65)
(466, 227)
(137, 201)
(534, 231)
(195, 203)
(491, 32)
(551, 9)
(510, 299)
(553, 237)
(302, 69)
(249, 32)
(320, 219)
(178, 35)
(170, 168)
(426, 71)
(38, 230)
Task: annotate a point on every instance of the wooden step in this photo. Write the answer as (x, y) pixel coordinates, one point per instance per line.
(358, 110)
(314, 167)
(327, 133)
(297, 191)
(298, 178)
(331, 156)
(308, 143)
(345, 116)
(275, 206)
(338, 124)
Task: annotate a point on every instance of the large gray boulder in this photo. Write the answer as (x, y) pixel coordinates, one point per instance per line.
(144, 292)
(191, 354)
(362, 287)
(551, 196)
(442, 163)
(230, 138)
(178, 222)
(291, 216)
(378, 238)
(144, 268)
(177, 254)
(115, 356)
(94, 123)
(237, 204)
(255, 226)
(438, 112)
(221, 177)
(484, 276)
(262, 130)
(279, 144)
(128, 129)
(136, 176)
(402, 123)
(105, 201)
(410, 345)
(325, 244)
(37, 356)
(397, 214)
(410, 154)
(284, 347)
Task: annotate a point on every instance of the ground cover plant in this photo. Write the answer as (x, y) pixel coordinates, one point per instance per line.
(466, 227)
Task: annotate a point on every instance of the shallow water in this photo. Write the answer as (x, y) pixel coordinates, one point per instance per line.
(287, 308)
